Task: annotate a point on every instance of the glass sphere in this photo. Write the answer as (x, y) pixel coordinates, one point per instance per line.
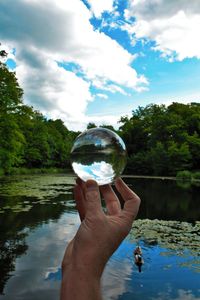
(98, 154)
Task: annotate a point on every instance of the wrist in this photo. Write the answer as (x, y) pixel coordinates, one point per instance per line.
(83, 270)
(77, 280)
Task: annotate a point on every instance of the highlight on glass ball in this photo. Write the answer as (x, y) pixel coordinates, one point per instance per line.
(98, 154)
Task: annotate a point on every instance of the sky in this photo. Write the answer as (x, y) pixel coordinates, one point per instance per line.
(97, 60)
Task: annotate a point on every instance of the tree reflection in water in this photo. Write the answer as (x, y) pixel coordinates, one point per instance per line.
(37, 229)
(15, 226)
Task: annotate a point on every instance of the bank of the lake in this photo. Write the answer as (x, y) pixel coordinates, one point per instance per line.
(35, 171)
(38, 171)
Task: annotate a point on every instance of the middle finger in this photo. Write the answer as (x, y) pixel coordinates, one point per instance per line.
(112, 202)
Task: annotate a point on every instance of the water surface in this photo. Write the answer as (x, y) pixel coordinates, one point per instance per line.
(38, 217)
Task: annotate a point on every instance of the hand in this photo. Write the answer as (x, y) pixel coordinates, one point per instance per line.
(100, 234)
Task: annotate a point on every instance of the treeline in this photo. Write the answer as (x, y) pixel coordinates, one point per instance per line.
(160, 140)
(163, 140)
(27, 138)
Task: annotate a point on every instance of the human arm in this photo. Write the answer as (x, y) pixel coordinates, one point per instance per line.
(98, 236)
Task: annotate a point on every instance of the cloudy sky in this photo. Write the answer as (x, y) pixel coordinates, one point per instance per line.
(95, 60)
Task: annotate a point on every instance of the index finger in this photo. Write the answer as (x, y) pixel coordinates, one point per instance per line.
(132, 201)
(80, 201)
(93, 199)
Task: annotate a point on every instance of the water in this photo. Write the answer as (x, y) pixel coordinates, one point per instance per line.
(38, 217)
(98, 154)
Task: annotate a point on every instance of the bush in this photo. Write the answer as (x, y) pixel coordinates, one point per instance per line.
(184, 175)
(196, 176)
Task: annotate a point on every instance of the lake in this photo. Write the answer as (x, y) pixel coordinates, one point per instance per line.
(38, 217)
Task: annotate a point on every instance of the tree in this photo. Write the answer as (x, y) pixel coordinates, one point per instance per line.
(10, 91)
(163, 140)
(91, 125)
(11, 138)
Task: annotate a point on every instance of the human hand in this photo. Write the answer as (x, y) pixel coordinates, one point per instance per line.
(99, 234)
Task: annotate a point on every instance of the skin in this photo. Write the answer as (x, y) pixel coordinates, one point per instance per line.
(98, 236)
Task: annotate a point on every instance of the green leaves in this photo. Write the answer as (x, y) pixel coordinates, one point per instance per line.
(163, 140)
(27, 138)
(160, 140)
(10, 91)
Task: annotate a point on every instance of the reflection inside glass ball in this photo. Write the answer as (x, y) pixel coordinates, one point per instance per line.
(98, 154)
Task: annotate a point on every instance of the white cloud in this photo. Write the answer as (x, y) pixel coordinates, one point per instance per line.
(9, 52)
(181, 295)
(99, 6)
(103, 96)
(48, 31)
(173, 25)
(54, 90)
(102, 172)
(102, 119)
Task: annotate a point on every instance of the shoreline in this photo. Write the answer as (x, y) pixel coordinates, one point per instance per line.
(150, 177)
(69, 172)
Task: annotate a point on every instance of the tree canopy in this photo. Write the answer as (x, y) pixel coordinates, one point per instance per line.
(160, 140)
(163, 140)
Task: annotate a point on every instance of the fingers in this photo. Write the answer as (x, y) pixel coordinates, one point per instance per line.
(82, 185)
(87, 198)
(93, 199)
(132, 201)
(80, 201)
(112, 202)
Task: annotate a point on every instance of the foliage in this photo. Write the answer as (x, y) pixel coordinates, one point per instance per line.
(91, 125)
(196, 176)
(10, 91)
(160, 140)
(27, 138)
(184, 175)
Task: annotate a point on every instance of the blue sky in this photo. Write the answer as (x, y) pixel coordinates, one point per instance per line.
(96, 60)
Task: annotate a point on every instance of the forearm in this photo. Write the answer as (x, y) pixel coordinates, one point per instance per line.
(79, 285)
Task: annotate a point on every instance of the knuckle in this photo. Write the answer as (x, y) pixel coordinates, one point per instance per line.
(92, 194)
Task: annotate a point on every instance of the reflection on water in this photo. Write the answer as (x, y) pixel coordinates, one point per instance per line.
(161, 276)
(34, 230)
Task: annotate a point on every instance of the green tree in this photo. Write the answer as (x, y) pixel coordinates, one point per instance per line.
(91, 125)
(11, 137)
(163, 140)
(11, 143)
(37, 152)
(10, 91)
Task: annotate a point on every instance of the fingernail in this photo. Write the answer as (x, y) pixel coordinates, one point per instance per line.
(91, 184)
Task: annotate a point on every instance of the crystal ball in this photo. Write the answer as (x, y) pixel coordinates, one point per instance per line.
(98, 154)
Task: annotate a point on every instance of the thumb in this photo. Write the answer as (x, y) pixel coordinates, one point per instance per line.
(93, 199)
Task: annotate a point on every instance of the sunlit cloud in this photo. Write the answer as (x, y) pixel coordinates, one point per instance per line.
(172, 25)
(49, 34)
(102, 172)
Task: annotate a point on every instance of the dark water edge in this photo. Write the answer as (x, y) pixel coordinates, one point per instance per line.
(38, 218)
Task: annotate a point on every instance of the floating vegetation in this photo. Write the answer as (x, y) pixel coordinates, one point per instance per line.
(39, 186)
(178, 238)
(173, 235)
(21, 193)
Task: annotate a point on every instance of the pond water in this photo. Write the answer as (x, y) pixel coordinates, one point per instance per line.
(38, 218)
